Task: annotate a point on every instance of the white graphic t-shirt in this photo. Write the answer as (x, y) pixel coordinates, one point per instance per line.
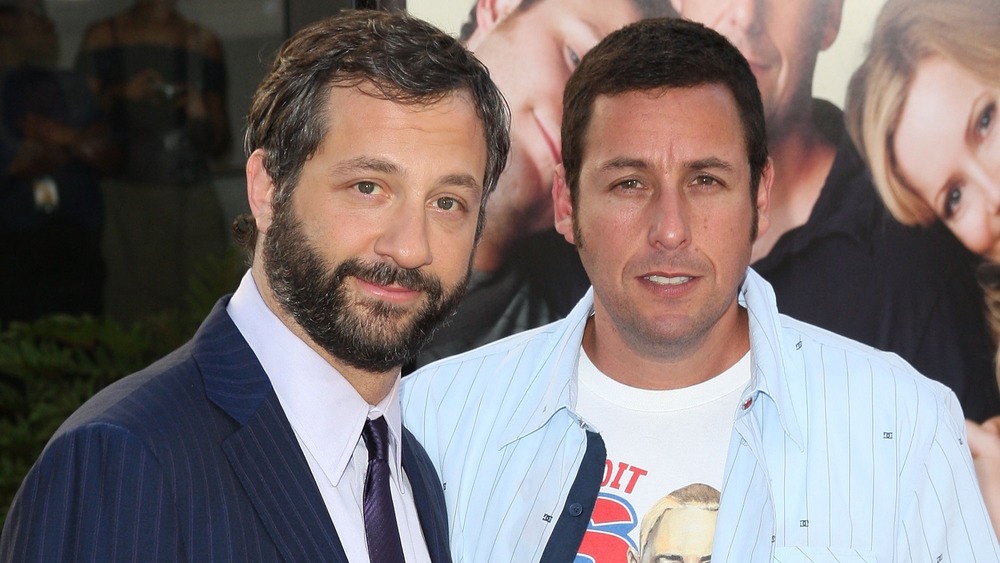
(666, 458)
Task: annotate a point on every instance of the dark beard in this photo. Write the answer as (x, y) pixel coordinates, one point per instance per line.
(371, 335)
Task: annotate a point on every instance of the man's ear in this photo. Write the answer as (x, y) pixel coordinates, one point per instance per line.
(562, 205)
(260, 191)
(763, 202)
(489, 14)
(831, 23)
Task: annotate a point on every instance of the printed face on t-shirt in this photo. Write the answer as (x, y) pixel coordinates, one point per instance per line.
(683, 535)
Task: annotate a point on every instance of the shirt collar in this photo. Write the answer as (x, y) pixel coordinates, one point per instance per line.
(555, 375)
(324, 410)
(557, 372)
(767, 350)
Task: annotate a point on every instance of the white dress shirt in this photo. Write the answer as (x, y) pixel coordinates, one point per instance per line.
(327, 415)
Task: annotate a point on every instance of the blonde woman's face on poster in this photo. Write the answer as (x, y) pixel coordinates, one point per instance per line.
(780, 39)
(947, 149)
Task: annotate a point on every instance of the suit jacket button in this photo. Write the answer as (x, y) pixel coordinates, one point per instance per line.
(575, 509)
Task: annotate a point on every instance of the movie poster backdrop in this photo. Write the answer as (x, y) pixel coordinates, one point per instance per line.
(835, 256)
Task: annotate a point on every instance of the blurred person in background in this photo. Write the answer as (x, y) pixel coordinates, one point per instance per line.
(922, 108)
(54, 142)
(161, 78)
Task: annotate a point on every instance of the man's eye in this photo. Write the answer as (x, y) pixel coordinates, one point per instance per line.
(572, 58)
(446, 203)
(705, 181)
(629, 185)
(367, 188)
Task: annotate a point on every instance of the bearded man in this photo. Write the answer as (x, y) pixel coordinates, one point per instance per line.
(275, 434)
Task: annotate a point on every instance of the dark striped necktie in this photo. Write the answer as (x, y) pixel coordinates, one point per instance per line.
(381, 530)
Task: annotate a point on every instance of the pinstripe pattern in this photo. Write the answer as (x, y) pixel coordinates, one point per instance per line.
(845, 453)
(193, 460)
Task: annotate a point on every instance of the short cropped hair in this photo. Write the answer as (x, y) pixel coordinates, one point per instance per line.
(655, 54)
(402, 59)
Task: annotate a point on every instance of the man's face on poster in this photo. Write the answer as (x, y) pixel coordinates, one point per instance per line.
(780, 39)
(530, 54)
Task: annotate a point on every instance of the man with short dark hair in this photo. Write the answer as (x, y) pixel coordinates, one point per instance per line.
(524, 274)
(676, 368)
(275, 433)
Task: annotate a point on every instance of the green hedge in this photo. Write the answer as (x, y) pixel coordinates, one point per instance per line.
(49, 367)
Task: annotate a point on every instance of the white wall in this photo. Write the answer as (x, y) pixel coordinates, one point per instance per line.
(449, 15)
(837, 64)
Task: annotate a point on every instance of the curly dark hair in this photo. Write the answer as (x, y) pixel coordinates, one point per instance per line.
(402, 58)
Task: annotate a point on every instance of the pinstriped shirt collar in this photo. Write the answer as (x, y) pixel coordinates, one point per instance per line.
(552, 385)
(324, 410)
(770, 355)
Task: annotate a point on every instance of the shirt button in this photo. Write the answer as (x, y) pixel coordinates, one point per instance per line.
(747, 403)
(575, 509)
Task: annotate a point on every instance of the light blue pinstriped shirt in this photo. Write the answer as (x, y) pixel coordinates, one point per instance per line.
(843, 453)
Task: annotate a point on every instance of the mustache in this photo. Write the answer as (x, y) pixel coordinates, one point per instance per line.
(384, 273)
(677, 261)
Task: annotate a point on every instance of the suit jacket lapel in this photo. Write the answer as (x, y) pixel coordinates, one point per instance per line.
(263, 452)
(267, 459)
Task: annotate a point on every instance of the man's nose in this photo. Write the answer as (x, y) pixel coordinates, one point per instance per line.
(744, 15)
(669, 221)
(405, 239)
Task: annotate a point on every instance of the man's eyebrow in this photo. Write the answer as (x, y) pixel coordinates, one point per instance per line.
(383, 166)
(466, 181)
(367, 163)
(709, 163)
(624, 162)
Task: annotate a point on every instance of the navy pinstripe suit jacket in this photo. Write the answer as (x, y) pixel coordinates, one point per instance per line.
(191, 459)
